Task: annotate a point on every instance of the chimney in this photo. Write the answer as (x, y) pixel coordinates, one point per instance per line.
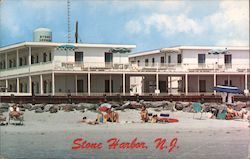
(76, 34)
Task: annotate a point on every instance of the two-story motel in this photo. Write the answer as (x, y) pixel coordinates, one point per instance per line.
(49, 68)
(191, 69)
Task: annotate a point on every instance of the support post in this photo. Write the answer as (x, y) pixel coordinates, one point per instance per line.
(246, 88)
(17, 58)
(124, 84)
(53, 83)
(157, 83)
(170, 78)
(198, 84)
(186, 84)
(76, 83)
(6, 85)
(41, 84)
(110, 85)
(17, 85)
(30, 85)
(215, 83)
(89, 76)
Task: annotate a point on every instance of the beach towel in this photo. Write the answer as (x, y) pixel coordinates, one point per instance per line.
(168, 120)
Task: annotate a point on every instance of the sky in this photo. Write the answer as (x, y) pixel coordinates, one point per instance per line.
(148, 24)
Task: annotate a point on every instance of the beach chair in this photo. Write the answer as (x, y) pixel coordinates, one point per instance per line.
(222, 115)
(197, 108)
(16, 121)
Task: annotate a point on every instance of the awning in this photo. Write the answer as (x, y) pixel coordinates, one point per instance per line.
(120, 50)
(228, 89)
(66, 47)
(170, 50)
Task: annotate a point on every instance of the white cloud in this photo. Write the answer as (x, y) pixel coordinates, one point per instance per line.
(231, 23)
(133, 26)
(167, 25)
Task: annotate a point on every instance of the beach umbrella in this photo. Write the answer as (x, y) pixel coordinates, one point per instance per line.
(104, 107)
(228, 89)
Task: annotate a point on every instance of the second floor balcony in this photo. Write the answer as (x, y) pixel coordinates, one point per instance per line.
(130, 67)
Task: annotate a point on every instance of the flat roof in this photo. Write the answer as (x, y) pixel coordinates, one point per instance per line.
(55, 44)
(157, 51)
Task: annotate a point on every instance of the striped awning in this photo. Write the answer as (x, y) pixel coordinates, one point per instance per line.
(228, 89)
(170, 50)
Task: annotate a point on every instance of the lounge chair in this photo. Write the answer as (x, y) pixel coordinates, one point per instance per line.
(197, 108)
(16, 121)
(222, 115)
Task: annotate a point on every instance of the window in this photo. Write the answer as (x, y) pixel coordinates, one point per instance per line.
(20, 61)
(162, 59)
(32, 59)
(138, 62)
(169, 59)
(79, 57)
(37, 59)
(226, 83)
(146, 62)
(153, 61)
(228, 59)
(25, 61)
(50, 57)
(201, 58)
(10, 63)
(179, 58)
(44, 57)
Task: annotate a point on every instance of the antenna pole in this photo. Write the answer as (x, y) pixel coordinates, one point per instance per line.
(68, 11)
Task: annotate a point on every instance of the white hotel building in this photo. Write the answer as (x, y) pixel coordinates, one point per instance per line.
(48, 68)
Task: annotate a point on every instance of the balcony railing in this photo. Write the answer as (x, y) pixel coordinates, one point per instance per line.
(131, 67)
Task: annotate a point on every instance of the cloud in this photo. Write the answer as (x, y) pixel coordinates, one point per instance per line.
(164, 24)
(231, 23)
(228, 25)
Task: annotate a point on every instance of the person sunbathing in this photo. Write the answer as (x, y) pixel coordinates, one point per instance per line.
(15, 112)
(144, 114)
(112, 116)
(99, 119)
(231, 113)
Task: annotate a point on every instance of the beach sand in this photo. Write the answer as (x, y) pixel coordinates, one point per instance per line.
(46, 135)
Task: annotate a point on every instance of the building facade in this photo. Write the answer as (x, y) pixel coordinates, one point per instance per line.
(193, 69)
(48, 68)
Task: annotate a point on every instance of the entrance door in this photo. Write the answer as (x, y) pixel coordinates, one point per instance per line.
(107, 86)
(202, 85)
(79, 86)
(32, 88)
(163, 86)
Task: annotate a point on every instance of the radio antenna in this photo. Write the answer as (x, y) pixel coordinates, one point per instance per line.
(68, 13)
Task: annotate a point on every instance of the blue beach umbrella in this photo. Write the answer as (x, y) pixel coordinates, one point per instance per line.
(228, 89)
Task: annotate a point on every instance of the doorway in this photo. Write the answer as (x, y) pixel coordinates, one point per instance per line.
(163, 86)
(79, 86)
(202, 85)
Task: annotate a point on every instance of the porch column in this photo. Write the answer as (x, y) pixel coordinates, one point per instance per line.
(41, 84)
(186, 84)
(30, 85)
(53, 83)
(157, 83)
(89, 84)
(110, 85)
(198, 84)
(6, 60)
(246, 89)
(29, 58)
(170, 84)
(76, 83)
(124, 84)
(6, 85)
(17, 58)
(215, 83)
(17, 85)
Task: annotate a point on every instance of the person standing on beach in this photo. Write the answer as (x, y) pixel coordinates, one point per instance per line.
(144, 114)
(14, 112)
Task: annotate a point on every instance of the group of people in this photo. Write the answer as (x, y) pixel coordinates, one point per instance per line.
(108, 116)
(231, 113)
(14, 113)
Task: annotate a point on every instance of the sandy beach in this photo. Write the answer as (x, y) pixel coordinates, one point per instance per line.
(46, 135)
